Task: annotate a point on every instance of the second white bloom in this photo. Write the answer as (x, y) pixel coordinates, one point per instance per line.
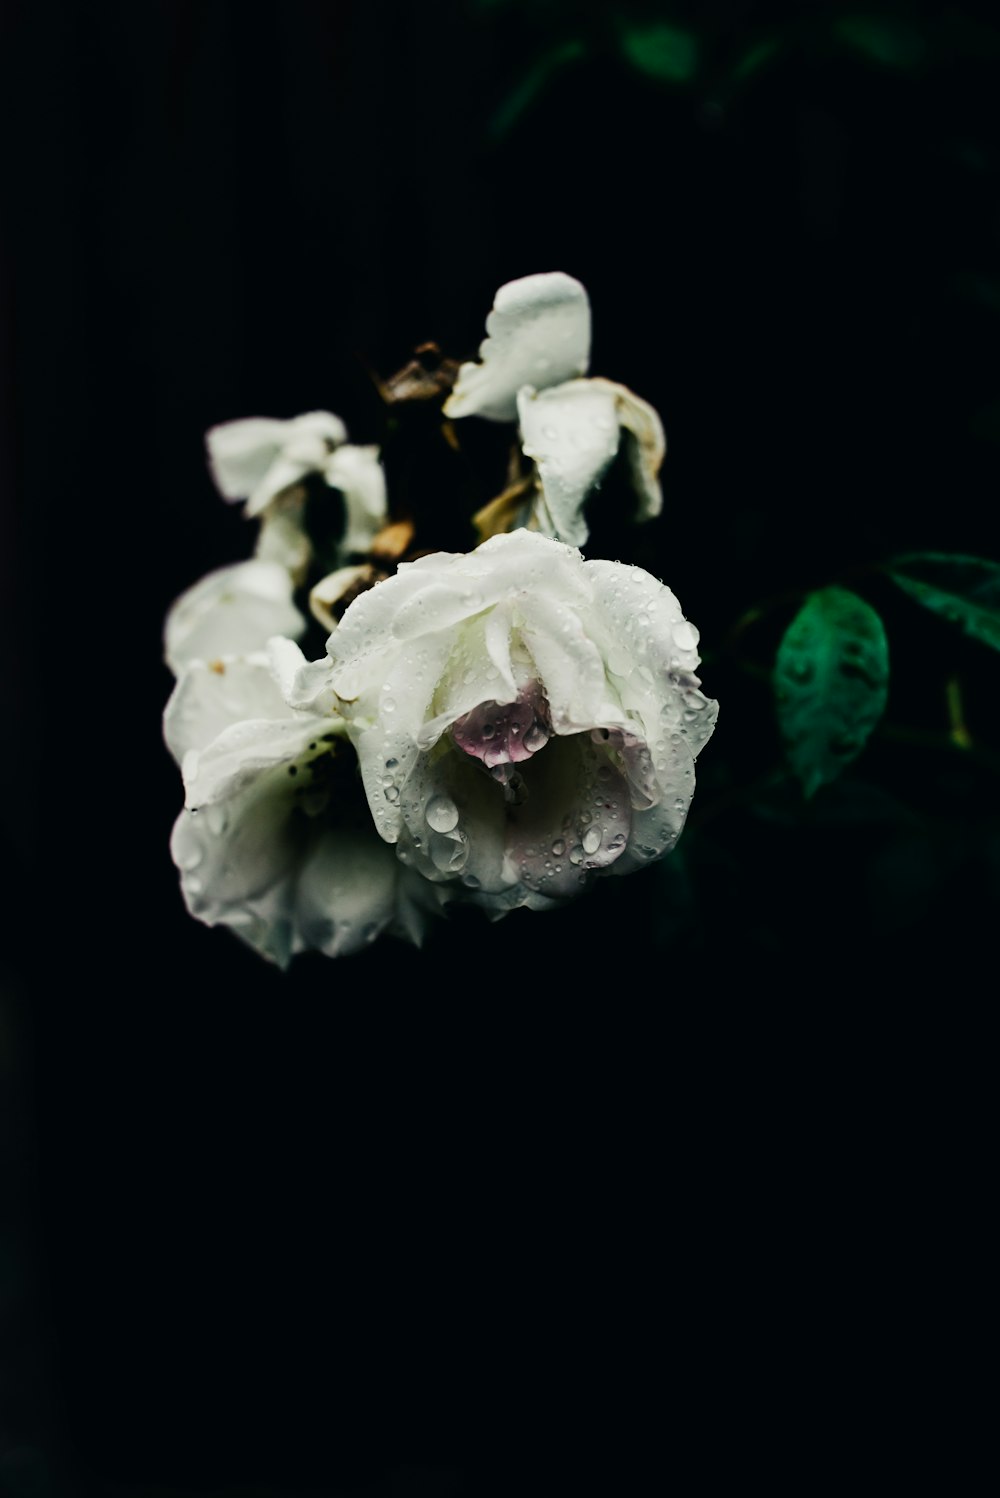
(523, 718)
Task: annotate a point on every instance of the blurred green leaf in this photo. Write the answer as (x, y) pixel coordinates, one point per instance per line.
(965, 590)
(884, 39)
(751, 62)
(661, 51)
(978, 288)
(532, 85)
(830, 681)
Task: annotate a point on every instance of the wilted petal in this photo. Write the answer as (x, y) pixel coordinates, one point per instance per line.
(232, 611)
(538, 334)
(647, 445)
(360, 477)
(572, 433)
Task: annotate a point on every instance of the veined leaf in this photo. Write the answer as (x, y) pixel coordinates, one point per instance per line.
(830, 681)
(965, 590)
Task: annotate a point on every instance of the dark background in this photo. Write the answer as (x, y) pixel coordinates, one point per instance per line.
(681, 1179)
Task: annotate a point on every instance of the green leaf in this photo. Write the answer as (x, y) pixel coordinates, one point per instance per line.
(965, 590)
(883, 39)
(752, 61)
(830, 682)
(532, 85)
(662, 51)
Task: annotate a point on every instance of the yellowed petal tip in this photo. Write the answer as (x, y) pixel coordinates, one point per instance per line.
(332, 594)
(503, 513)
(392, 540)
(647, 449)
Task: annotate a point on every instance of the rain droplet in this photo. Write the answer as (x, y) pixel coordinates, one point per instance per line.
(388, 704)
(591, 840)
(449, 854)
(576, 854)
(392, 793)
(441, 813)
(536, 738)
(685, 635)
(558, 847)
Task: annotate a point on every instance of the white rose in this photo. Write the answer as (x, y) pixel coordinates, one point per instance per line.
(523, 718)
(276, 841)
(238, 608)
(538, 346)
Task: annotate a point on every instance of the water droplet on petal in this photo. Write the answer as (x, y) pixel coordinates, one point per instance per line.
(591, 840)
(441, 813)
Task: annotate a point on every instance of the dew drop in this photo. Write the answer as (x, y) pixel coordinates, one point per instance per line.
(441, 813)
(591, 840)
(449, 854)
(536, 738)
(558, 847)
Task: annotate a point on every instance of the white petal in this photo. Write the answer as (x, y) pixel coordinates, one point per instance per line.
(282, 537)
(360, 477)
(241, 452)
(258, 457)
(207, 699)
(570, 666)
(346, 894)
(647, 445)
(538, 334)
(284, 473)
(572, 433)
(232, 611)
(241, 755)
(305, 685)
(238, 866)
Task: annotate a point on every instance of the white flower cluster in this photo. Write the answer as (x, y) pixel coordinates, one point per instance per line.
(498, 727)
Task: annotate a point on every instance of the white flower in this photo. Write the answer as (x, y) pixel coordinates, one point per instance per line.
(238, 608)
(258, 459)
(538, 345)
(276, 840)
(523, 717)
(231, 610)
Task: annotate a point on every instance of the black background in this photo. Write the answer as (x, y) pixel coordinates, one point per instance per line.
(659, 1184)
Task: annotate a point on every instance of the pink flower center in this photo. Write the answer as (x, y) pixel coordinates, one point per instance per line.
(505, 734)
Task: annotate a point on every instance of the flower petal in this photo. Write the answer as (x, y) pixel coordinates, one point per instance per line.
(647, 445)
(232, 611)
(259, 456)
(241, 452)
(242, 753)
(538, 334)
(360, 477)
(571, 431)
(282, 537)
(207, 699)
